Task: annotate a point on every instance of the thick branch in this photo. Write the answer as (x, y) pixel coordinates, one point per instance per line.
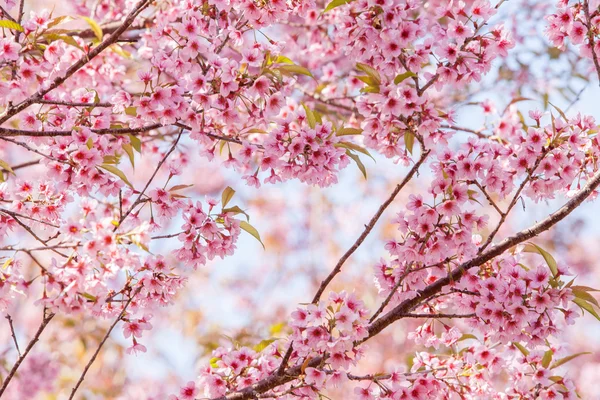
(526, 234)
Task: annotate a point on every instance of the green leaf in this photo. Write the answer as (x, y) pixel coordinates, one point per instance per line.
(58, 20)
(213, 362)
(521, 348)
(367, 79)
(95, 27)
(132, 111)
(355, 147)
(371, 89)
(51, 37)
(547, 359)
(336, 3)
(114, 170)
(226, 196)
(565, 360)
(370, 71)
(135, 142)
(179, 187)
(251, 230)
(399, 78)
(466, 336)
(348, 131)
(515, 100)
(533, 248)
(7, 263)
(89, 296)
(584, 295)
(263, 345)
(587, 307)
(236, 210)
(561, 112)
(283, 60)
(294, 70)
(129, 150)
(310, 117)
(409, 141)
(277, 328)
(4, 23)
(6, 167)
(120, 51)
(358, 162)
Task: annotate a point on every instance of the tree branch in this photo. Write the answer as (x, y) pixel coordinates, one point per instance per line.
(369, 227)
(138, 8)
(35, 339)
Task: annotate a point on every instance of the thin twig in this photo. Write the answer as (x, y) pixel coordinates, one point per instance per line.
(32, 343)
(12, 332)
(369, 227)
(139, 198)
(91, 361)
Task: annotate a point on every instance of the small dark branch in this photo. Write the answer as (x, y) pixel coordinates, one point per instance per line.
(369, 227)
(25, 164)
(463, 129)
(285, 359)
(428, 84)
(438, 316)
(35, 339)
(172, 235)
(12, 333)
(13, 214)
(26, 146)
(504, 215)
(6, 132)
(487, 196)
(91, 361)
(210, 135)
(72, 104)
(392, 293)
(6, 15)
(588, 24)
(139, 198)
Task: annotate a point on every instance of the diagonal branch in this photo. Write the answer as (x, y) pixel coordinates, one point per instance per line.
(526, 234)
(35, 339)
(104, 339)
(369, 227)
(137, 9)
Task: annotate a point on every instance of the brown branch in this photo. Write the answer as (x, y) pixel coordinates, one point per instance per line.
(468, 130)
(91, 361)
(369, 226)
(486, 256)
(138, 8)
(403, 309)
(139, 198)
(12, 333)
(5, 132)
(72, 104)
(438, 315)
(504, 215)
(32, 343)
(6, 14)
(588, 24)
